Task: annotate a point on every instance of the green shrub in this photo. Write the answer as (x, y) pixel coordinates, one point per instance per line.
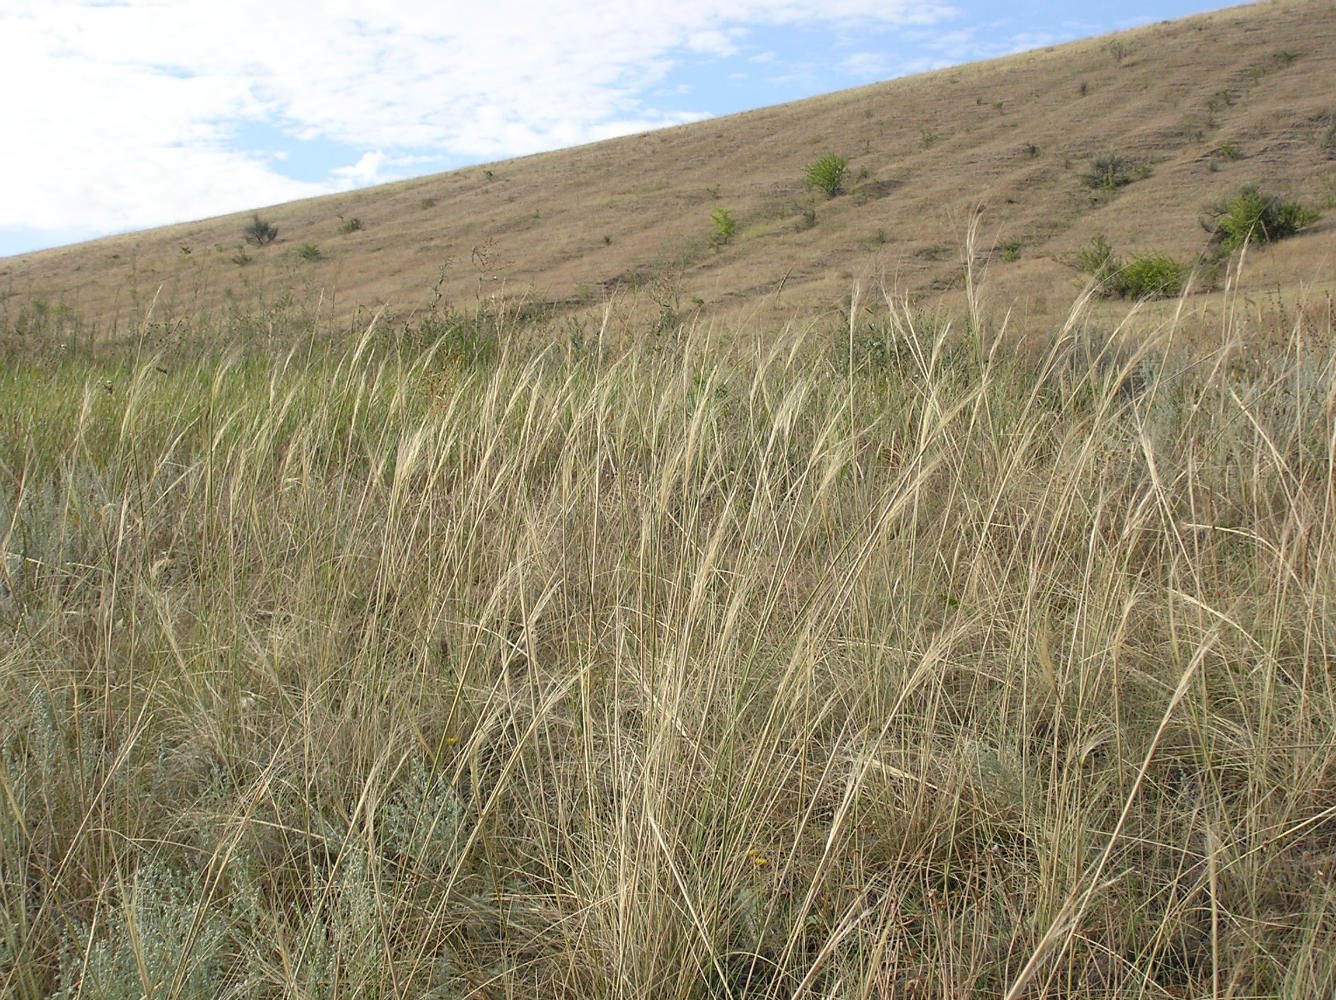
(1150, 276)
(827, 174)
(309, 251)
(1254, 214)
(351, 225)
(725, 226)
(259, 232)
(1147, 276)
(1097, 258)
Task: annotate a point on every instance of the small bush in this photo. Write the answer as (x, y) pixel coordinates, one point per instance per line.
(1011, 251)
(310, 252)
(259, 232)
(827, 174)
(725, 226)
(1110, 171)
(1150, 276)
(351, 225)
(1326, 140)
(1147, 276)
(1254, 214)
(1097, 259)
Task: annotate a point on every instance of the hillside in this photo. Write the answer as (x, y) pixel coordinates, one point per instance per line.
(1194, 108)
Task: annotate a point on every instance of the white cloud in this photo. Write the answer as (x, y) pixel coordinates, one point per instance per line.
(869, 65)
(364, 171)
(128, 111)
(715, 43)
(982, 41)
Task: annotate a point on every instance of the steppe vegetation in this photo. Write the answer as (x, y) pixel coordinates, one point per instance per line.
(611, 639)
(466, 659)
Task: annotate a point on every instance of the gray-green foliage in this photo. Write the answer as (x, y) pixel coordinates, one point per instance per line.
(1110, 171)
(423, 819)
(156, 936)
(827, 174)
(346, 955)
(259, 232)
(163, 928)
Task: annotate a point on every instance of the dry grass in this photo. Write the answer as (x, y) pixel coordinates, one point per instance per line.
(887, 665)
(628, 221)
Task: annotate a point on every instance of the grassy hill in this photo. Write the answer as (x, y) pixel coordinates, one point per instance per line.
(1190, 109)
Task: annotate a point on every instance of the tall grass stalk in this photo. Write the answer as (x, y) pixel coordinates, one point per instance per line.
(931, 670)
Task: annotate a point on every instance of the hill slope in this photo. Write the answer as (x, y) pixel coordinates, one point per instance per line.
(1194, 107)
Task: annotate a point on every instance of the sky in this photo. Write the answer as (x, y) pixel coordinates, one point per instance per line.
(126, 114)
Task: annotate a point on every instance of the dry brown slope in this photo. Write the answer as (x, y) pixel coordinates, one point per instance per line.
(1204, 104)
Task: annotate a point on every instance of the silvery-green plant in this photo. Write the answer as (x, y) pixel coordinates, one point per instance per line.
(154, 937)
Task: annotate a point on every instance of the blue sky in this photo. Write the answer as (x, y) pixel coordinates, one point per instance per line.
(127, 114)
